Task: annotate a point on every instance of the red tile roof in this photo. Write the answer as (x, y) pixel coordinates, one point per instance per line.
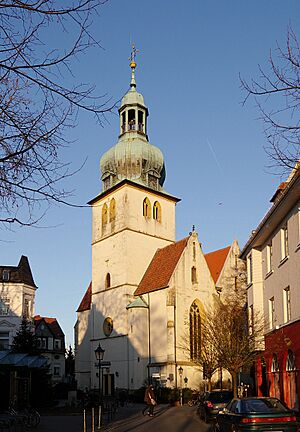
(215, 261)
(161, 268)
(52, 324)
(86, 300)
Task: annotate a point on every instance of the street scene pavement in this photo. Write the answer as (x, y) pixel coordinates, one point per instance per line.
(130, 418)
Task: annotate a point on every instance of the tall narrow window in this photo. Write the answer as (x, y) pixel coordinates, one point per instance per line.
(112, 210)
(287, 304)
(146, 208)
(194, 274)
(269, 257)
(104, 214)
(271, 313)
(249, 269)
(195, 332)
(284, 241)
(157, 211)
(194, 250)
(107, 281)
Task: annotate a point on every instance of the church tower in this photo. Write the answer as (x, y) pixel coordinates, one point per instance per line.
(132, 217)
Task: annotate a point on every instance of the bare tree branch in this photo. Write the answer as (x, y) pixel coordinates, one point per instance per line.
(280, 86)
(40, 99)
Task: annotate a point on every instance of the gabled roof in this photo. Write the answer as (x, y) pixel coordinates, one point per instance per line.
(161, 268)
(20, 274)
(52, 324)
(215, 261)
(85, 303)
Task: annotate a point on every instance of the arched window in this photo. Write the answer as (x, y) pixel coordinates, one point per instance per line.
(107, 281)
(290, 362)
(195, 331)
(104, 214)
(112, 210)
(194, 274)
(157, 211)
(275, 365)
(146, 208)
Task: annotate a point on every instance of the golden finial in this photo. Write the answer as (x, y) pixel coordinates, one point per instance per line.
(134, 51)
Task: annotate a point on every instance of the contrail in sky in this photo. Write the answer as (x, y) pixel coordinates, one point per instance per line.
(214, 155)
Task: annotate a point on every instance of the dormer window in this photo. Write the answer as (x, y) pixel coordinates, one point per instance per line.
(5, 275)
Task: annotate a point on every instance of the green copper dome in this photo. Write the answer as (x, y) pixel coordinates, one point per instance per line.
(133, 157)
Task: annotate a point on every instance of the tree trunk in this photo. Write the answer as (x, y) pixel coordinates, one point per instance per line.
(234, 383)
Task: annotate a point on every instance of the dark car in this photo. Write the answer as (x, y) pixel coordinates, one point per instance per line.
(212, 402)
(257, 414)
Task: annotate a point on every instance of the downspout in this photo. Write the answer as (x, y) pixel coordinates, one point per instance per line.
(149, 341)
(175, 356)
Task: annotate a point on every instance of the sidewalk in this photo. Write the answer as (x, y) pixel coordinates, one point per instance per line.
(74, 422)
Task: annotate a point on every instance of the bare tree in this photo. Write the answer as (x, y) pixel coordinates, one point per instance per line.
(39, 99)
(226, 329)
(280, 86)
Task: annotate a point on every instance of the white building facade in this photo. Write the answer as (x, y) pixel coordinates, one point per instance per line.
(273, 268)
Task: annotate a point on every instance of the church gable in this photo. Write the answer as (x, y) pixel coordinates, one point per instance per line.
(161, 268)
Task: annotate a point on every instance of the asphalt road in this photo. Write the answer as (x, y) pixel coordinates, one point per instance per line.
(173, 419)
(130, 419)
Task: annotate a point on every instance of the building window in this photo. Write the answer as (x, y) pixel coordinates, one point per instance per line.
(195, 332)
(56, 371)
(146, 208)
(194, 250)
(269, 257)
(27, 308)
(271, 313)
(251, 319)
(284, 241)
(287, 304)
(157, 211)
(5, 275)
(107, 281)
(290, 362)
(4, 306)
(194, 274)
(112, 210)
(57, 344)
(249, 269)
(4, 341)
(104, 214)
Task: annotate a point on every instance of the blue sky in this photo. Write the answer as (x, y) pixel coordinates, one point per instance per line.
(190, 56)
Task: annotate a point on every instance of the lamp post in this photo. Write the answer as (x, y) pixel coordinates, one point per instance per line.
(180, 371)
(99, 353)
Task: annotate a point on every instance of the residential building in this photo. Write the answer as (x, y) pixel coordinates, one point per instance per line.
(273, 267)
(51, 344)
(17, 296)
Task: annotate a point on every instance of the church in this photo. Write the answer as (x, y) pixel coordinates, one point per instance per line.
(149, 291)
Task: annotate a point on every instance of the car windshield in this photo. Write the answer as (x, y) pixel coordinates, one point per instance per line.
(267, 405)
(220, 396)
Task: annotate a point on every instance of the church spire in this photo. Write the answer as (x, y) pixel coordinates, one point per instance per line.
(134, 51)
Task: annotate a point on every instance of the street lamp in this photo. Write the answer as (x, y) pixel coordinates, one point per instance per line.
(99, 353)
(180, 371)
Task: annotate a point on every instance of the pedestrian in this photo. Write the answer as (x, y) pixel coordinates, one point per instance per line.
(150, 401)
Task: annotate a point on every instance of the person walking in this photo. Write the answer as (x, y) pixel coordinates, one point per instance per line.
(150, 401)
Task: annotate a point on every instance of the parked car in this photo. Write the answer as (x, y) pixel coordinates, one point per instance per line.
(256, 414)
(212, 402)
